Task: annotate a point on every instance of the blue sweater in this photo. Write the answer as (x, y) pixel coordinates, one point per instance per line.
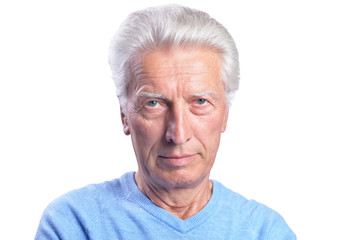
(118, 210)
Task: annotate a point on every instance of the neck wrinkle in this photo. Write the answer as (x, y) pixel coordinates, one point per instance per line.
(181, 202)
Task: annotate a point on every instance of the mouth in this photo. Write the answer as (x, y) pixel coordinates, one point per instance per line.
(176, 161)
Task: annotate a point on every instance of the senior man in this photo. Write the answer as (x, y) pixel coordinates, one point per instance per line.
(176, 70)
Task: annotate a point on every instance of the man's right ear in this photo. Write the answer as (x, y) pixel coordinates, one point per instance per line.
(126, 129)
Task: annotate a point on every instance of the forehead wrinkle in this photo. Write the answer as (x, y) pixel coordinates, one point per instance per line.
(183, 74)
(137, 70)
(168, 67)
(187, 71)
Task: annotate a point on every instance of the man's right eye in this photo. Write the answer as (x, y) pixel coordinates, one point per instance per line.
(152, 103)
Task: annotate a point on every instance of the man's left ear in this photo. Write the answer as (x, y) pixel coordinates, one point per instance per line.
(126, 129)
(225, 119)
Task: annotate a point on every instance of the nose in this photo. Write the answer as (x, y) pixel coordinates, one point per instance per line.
(179, 129)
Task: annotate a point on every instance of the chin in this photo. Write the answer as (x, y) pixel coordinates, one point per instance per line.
(182, 179)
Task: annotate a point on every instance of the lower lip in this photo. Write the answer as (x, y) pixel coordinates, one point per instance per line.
(177, 162)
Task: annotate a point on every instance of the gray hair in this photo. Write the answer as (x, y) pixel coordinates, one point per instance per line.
(167, 26)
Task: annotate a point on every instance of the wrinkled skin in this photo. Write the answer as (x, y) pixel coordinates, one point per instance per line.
(176, 112)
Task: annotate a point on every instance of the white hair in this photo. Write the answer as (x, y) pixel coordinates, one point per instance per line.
(167, 26)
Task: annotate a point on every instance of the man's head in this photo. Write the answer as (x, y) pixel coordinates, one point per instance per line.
(175, 70)
(165, 27)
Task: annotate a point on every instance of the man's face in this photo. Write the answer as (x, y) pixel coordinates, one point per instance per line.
(176, 112)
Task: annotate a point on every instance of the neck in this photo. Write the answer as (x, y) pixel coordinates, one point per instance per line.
(181, 202)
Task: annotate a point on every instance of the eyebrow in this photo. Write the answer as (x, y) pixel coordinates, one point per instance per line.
(151, 95)
(161, 96)
(205, 93)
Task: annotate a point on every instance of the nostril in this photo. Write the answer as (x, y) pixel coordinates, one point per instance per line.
(170, 141)
(177, 134)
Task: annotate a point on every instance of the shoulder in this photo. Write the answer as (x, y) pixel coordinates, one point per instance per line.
(261, 220)
(79, 211)
(93, 196)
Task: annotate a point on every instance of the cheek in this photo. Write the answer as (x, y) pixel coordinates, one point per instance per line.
(212, 123)
(144, 133)
(209, 131)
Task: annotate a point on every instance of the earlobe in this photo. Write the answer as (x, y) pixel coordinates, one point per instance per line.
(126, 129)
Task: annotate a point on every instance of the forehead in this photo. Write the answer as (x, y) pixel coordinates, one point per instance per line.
(181, 58)
(180, 64)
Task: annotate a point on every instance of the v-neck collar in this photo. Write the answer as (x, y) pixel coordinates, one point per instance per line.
(183, 226)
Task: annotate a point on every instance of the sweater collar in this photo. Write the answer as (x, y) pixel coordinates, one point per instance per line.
(183, 226)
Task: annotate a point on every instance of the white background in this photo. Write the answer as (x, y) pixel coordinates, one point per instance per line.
(293, 141)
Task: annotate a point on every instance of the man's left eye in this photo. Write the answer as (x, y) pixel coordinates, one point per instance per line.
(201, 101)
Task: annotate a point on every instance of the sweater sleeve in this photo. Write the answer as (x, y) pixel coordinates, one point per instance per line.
(266, 223)
(280, 231)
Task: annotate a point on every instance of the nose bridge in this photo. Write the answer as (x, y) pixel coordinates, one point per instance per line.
(179, 127)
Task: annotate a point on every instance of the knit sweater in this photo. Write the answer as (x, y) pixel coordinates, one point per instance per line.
(117, 209)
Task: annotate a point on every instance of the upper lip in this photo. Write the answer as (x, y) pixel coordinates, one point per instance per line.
(176, 156)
